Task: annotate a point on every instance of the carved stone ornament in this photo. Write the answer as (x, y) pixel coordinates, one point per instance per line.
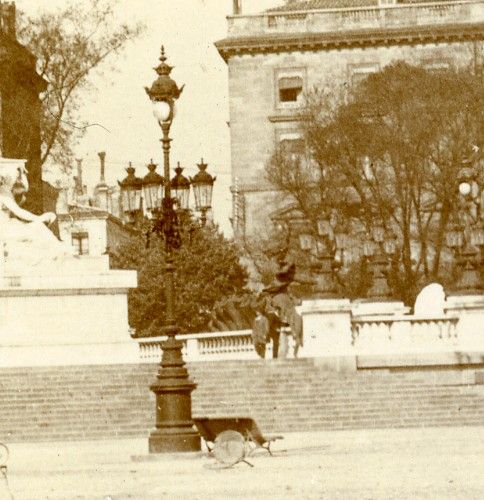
(25, 237)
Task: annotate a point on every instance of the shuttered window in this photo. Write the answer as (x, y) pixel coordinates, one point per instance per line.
(290, 87)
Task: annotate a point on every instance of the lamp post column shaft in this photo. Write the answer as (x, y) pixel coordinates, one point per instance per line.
(165, 127)
(169, 268)
(203, 216)
(174, 425)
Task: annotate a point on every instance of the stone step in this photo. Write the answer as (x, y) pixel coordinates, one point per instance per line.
(331, 392)
(94, 402)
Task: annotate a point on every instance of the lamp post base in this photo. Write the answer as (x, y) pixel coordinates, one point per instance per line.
(174, 425)
(173, 441)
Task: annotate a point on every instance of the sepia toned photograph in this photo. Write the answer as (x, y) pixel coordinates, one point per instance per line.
(241, 249)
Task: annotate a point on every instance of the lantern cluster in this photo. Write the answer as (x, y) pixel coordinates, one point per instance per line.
(151, 189)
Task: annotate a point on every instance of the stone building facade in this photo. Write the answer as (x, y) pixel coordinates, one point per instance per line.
(20, 106)
(275, 56)
(93, 224)
(92, 231)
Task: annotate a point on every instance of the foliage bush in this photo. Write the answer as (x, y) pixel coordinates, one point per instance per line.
(207, 271)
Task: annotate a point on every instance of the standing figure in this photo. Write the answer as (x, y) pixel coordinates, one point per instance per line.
(285, 306)
(283, 303)
(260, 329)
(273, 315)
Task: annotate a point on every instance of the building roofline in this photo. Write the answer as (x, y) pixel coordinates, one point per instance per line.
(84, 212)
(126, 227)
(408, 35)
(283, 10)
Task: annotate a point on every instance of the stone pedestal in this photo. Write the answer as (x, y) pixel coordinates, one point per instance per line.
(74, 312)
(327, 333)
(470, 328)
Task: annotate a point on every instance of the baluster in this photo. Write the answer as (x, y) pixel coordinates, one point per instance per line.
(355, 331)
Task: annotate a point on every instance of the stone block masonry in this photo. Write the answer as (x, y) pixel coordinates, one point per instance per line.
(101, 402)
(257, 123)
(326, 48)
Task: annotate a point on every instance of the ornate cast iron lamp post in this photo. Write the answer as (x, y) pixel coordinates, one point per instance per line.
(174, 426)
(466, 238)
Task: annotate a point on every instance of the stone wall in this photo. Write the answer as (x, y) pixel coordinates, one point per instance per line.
(104, 231)
(258, 121)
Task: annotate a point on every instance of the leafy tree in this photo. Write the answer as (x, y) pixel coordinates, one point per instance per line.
(207, 272)
(388, 153)
(70, 42)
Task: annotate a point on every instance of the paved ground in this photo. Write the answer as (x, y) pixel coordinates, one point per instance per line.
(437, 463)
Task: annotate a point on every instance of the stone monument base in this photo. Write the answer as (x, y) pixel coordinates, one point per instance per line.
(73, 311)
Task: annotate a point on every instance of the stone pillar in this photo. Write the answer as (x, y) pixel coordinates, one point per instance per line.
(470, 328)
(327, 333)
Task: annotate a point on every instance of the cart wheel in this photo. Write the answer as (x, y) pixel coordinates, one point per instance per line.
(229, 448)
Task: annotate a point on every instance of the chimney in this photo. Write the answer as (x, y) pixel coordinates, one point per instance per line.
(237, 7)
(102, 157)
(101, 191)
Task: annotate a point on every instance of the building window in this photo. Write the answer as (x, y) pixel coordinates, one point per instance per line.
(80, 242)
(358, 72)
(293, 147)
(290, 141)
(383, 3)
(289, 88)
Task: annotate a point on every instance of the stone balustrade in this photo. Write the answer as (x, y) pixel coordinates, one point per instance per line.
(203, 346)
(396, 334)
(357, 18)
(344, 331)
(363, 334)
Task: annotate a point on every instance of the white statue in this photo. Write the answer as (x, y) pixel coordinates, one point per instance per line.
(430, 301)
(24, 235)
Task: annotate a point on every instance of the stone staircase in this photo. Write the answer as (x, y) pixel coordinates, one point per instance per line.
(97, 402)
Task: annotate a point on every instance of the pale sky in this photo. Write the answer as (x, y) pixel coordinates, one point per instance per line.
(188, 29)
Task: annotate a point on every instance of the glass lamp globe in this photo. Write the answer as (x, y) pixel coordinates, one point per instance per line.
(464, 188)
(477, 235)
(305, 241)
(161, 111)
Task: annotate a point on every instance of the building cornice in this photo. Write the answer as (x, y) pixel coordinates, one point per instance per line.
(252, 187)
(289, 42)
(296, 116)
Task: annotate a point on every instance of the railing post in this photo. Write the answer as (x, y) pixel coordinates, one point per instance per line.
(193, 353)
(469, 329)
(327, 332)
